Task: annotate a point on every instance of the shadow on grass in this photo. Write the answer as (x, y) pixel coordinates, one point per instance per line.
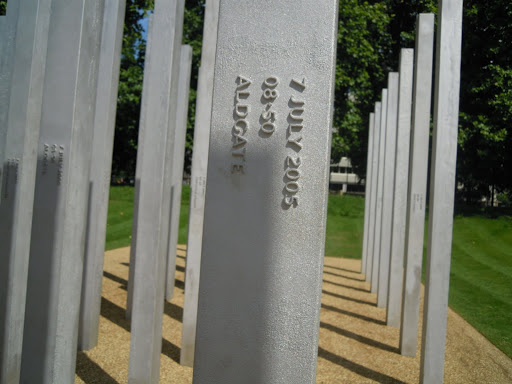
(90, 372)
(357, 368)
(465, 210)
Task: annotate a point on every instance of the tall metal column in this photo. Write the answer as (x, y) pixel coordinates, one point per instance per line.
(101, 164)
(17, 190)
(417, 189)
(61, 192)
(442, 190)
(266, 194)
(387, 191)
(396, 264)
(198, 181)
(380, 188)
(367, 189)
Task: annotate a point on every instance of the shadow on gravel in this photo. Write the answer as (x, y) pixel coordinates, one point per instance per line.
(348, 298)
(116, 315)
(347, 286)
(357, 368)
(352, 314)
(361, 339)
(90, 372)
(344, 276)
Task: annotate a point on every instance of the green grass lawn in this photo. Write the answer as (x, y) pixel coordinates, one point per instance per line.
(345, 222)
(120, 214)
(481, 276)
(481, 272)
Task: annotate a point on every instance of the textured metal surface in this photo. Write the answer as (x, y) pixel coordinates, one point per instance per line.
(17, 192)
(165, 223)
(3, 87)
(396, 263)
(178, 160)
(198, 181)
(442, 190)
(380, 186)
(417, 190)
(60, 200)
(8, 27)
(101, 164)
(373, 191)
(149, 274)
(140, 150)
(266, 195)
(387, 192)
(367, 189)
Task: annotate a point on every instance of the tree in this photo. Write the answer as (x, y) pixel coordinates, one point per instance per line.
(370, 36)
(130, 89)
(131, 81)
(193, 35)
(485, 140)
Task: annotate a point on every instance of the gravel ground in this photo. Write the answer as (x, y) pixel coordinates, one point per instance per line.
(355, 344)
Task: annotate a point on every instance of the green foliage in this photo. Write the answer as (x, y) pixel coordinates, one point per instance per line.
(193, 35)
(130, 90)
(363, 45)
(370, 36)
(485, 139)
(3, 7)
(131, 81)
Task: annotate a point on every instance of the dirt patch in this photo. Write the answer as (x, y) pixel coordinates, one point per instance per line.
(355, 344)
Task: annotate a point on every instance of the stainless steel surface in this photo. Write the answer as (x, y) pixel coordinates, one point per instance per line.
(151, 249)
(380, 187)
(60, 200)
(178, 161)
(266, 195)
(367, 189)
(387, 197)
(165, 223)
(101, 164)
(17, 192)
(8, 28)
(417, 190)
(140, 150)
(442, 190)
(373, 191)
(396, 264)
(198, 181)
